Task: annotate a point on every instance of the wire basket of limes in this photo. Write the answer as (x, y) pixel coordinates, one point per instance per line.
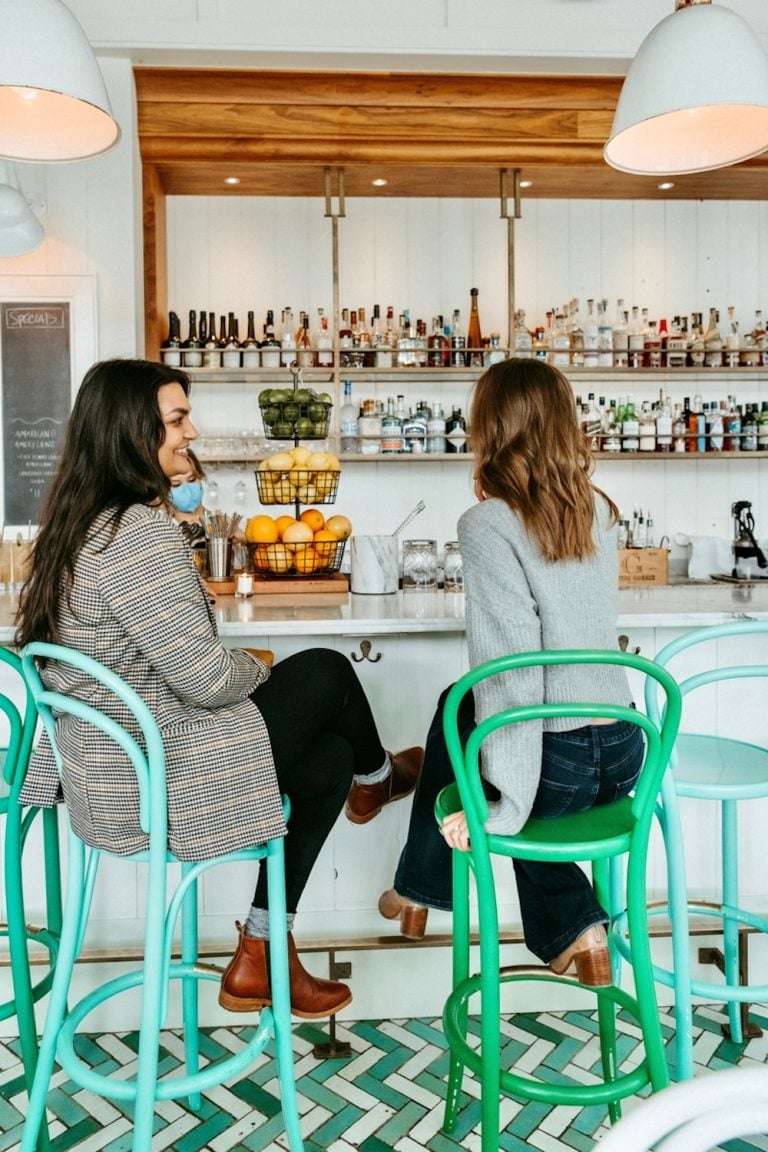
(300, 414)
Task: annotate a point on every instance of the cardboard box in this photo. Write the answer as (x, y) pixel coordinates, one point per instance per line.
(643, 567)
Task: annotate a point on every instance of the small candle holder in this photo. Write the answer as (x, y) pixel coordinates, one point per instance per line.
(244, 585)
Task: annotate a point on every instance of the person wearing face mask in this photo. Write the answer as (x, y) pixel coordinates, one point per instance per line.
(186, 494)
(112, 577)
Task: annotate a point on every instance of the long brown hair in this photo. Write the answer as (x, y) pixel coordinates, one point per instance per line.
(531, 453)
(109, 460)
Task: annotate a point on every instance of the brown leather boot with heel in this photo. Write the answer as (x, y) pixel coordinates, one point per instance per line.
(413, 917)
(590, 956)
(366, 800)
(245, 984)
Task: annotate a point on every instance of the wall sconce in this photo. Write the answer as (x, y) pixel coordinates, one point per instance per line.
(695, 96)
(20, 227)
(53, 101)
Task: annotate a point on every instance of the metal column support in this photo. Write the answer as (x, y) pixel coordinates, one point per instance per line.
(510, 217)
(334, 208)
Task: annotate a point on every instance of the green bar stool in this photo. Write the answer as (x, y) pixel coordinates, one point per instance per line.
(164, 906)
(607, 837)
(18, 821)
(724, 771)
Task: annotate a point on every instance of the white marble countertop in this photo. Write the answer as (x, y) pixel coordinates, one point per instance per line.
(347, 614)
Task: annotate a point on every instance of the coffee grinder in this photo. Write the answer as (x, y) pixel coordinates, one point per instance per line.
(745, 546)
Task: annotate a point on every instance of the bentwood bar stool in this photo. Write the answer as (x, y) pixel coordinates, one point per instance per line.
(164, 906)
(607, 837)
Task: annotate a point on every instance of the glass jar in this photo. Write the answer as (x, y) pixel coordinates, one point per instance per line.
(453, 569)
(419, 565)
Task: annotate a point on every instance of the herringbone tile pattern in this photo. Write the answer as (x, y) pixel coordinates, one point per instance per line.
(389, 1095)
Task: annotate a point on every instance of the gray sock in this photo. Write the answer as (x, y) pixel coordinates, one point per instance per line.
(257, 924)
(376, 777)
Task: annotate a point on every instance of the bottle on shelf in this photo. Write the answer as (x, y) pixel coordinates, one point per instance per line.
(646, 428)
(620, 337)
(636, 339)
(604, 336)
(415, 429)
(192, 349)
(522, 341)
(346, 340)
(270, 345)
(456, 432)
(305, 353)
(630, 429)
(392, 442)
(385, 353)
(731, 340)
(406, 342)
(348, 421)
(574, 328)
(679, 430)
(438, 352)
(689, 416)
(377, 335)
(713, 341)
(696, 347)
(610, 437)
(560, 356)
(323, 341)
(211, 350)
(474, 355)
(677, 345)
(222, 341)
(590, 337)
(663, 423)
(230, 354)
(749, 429)
(436, 429)
(701, 424)
(250, 351)
(420, 344)
(170, 349)
(539, 345)
(715, 428)
(369, 429)
(362, 338)
(287, 339)
(652, 346)
(762, 428)
(458, 341)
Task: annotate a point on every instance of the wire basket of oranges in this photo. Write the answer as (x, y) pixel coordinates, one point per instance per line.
(307, 546)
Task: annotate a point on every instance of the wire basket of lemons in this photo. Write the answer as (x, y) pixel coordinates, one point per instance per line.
(308, 545)
(298, 476)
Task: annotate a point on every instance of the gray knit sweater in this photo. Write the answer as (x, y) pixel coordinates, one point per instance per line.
(516, 601)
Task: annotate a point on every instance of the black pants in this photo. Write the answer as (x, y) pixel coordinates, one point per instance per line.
(322, 732)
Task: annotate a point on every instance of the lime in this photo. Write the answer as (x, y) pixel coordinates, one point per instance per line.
(302, 395)
(325, 398)
(317, 411)
(304, 427)
(271, 413)
(291, 411)
(280, 396)
(283, 430)
(265, 396)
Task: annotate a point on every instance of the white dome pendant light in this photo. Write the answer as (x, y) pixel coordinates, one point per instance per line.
(53, 101)
(695, 96)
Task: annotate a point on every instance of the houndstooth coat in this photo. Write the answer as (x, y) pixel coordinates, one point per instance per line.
(139, 607)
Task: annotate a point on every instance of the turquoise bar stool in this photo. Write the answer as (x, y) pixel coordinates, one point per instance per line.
(164, 906)
(724, 771)
(18, 821)
(607, 837)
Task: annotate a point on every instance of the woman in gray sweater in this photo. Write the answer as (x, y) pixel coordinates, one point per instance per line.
(540, 570)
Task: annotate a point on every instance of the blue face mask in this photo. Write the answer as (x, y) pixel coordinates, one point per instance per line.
(187, 497)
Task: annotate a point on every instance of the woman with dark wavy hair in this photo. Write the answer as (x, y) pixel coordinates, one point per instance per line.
(540, 572)
(113, 577)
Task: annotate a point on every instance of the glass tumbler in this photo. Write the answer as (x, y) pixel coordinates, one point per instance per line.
(453, 578)
(419, 565)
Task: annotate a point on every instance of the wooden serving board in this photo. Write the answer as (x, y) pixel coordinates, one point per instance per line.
(297, 586)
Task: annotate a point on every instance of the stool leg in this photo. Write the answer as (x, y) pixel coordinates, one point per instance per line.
(677, 897)
(71, 938)
(189, 985)
(730, 879)
(460, 963)
(490, 1008)
(281, 996)
(152, 1000)
(642, 968)
(604, 877)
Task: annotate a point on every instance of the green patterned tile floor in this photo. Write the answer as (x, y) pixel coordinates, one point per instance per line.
(388, 1095)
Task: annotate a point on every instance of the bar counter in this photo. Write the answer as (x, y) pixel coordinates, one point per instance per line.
(684, 604)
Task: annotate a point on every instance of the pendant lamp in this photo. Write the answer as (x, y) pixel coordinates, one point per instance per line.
(20, 227)
(695, 96)
(53, 101)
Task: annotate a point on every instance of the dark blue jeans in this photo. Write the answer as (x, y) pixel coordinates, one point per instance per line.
(580, 769)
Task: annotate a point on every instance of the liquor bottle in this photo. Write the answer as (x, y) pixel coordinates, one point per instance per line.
(560, 355)
(211, 352)
(270, 345)
(369, 429)
(679, 430)
(415, 431)
(474, 356)
(222, 341)
(677, 345)
(522, 342)
(713, 341)
(715, 428)
(305, 354)
(761, 343)
(346, 340)
(377, 335)
(391, 431)
(436, 430)
(251, 354)
(575, 329)
(749, 429)
(230, 355)
(590, 336)
(689, 416)
(170, 349)
(363, 340)
(696, 348)
(652, 346)
(630, 429)
(539, 344)
(348, 421)
(762, 428)
(731, 340)
(202, 331)
(620, 337)
(406, 342)
(636, 339)
(191, 349)
(733, 426)
(456, 432)
(437, 345)
(420, 344)
(287, 339)
(647, 428)
(604, 336)
(701, 424)
(385, 354)
(458, 341)
(663, 423)
(323, 341)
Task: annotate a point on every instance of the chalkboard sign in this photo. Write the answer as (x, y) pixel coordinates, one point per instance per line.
(35, 358)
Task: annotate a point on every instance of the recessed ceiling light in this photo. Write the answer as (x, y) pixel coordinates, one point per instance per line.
(379, 182)
(665, 185)
(526, 183)
(231, 179)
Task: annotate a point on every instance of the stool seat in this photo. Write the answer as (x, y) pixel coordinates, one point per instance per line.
(606, 837)
(719, 768)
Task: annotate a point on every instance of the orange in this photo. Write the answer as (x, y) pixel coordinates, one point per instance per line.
(305, 558)
(280, 559)
(313, 517)
(341, 526)
(260, 557)
(261, 530)
(295, 534)
(325, 545)
(282, 523)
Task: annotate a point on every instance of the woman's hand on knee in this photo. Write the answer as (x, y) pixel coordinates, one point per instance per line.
(455, 831)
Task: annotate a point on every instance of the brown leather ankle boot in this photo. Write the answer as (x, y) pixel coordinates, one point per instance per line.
(245, 983)
(366, 800)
